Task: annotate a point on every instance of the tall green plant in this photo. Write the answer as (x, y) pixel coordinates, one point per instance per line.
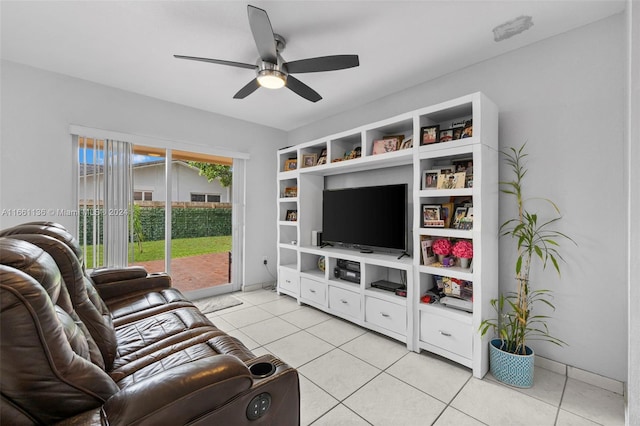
(516, 323)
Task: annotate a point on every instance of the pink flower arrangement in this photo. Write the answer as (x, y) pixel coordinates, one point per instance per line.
(463, 249)
(442, 247)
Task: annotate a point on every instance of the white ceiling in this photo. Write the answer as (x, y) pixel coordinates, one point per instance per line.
(129, 45)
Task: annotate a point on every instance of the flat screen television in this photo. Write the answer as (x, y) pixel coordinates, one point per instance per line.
(368, 218)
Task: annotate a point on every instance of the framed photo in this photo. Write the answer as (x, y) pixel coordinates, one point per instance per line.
(445, 135)
(431, 216)
(309, 160)
(446, 213)
(457, 132)
(430, 179)
(381, 146)
(451, 180)
(428, 256)
(407, 143)
(467, 131)
(292, 216)
(429, 134)
(291, 191)
(290, 164)
(458, 216)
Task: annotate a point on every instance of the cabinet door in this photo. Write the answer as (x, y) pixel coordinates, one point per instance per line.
(344, 301)
(288, 280)
(386, 315)
(447, 333)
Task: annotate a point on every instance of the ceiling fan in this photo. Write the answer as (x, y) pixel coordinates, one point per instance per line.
(271, 70)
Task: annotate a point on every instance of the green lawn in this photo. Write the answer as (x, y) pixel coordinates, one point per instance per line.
(183, 247)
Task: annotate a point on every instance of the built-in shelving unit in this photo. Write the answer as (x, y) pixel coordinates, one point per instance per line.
(305, 271)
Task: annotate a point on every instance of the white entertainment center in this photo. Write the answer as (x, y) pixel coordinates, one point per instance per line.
(306, 271)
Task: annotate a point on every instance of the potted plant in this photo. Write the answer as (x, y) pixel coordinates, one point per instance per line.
(463, 250)
(511, 360)
(442, 248)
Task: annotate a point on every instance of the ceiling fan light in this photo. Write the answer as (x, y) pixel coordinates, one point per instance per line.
(271, 79)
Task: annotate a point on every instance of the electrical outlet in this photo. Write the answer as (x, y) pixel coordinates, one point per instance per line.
(264, 260)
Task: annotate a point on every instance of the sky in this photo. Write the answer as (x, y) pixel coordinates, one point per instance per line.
(137, 158)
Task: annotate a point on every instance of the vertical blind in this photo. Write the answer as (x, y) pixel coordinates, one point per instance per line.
(105, 189)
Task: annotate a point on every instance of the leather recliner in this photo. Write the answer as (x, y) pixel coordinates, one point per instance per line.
(65, 359)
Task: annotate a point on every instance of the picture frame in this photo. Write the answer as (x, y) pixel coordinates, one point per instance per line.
(382, 146)
(431, 216)
(428, 256)
(451, 180)
(406, 144)
(459, 214)
(292, 216)
(467, 131)
(291, 191)
(430, 179)
(429, 134)
(445, 135)
(290, 164)
(457, 133)
(446, 213)
(309, 160)
(322, 160)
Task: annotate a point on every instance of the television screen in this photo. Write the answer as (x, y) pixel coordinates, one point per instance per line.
(372, 217)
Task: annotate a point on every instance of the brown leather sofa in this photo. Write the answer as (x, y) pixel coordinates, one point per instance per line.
(120, 347)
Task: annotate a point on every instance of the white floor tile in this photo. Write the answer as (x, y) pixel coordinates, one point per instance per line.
(497, 405)
(222, 324)
(305, 317)
(547, 385)
(597, 404)
(375, 349)
(299, 348)
(244, 317)
(280, 306)
(269, 330)
(336, 331)
(453, 417)
(566, 418)
(314, 402)
(386, 400)
(340, 416)
(257, 297)
(433, 375)
(339, 373)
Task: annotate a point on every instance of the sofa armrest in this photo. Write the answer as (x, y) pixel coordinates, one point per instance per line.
(107, 275)
(180, 394)
(112, 283)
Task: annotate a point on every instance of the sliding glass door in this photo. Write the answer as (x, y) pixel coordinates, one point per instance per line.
(182, 217)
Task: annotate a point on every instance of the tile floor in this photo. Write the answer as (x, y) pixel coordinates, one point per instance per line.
(352, 376)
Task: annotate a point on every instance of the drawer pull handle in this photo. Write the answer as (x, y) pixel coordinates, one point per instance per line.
(384, 315)
(312, 290)
(444, 333)
(344, 301)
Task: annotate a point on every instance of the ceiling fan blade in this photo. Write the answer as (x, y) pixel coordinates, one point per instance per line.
(251, 87)
(263, 34)
(218, 61)
(323, 63)
(302, 89)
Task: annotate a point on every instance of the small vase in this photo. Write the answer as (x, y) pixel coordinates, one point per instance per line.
(464, 262)
(441, 258)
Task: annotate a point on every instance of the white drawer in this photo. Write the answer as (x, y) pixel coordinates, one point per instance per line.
(288, 280)
(344, 301)
(313, 291)
(447, 333)
(386, 314)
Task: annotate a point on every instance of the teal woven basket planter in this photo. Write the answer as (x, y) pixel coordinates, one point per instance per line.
(511, 369)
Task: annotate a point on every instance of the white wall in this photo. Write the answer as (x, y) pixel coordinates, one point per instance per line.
(565, 96)
(36, 162)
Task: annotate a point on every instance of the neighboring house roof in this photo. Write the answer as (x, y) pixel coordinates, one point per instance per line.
(93, 169)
